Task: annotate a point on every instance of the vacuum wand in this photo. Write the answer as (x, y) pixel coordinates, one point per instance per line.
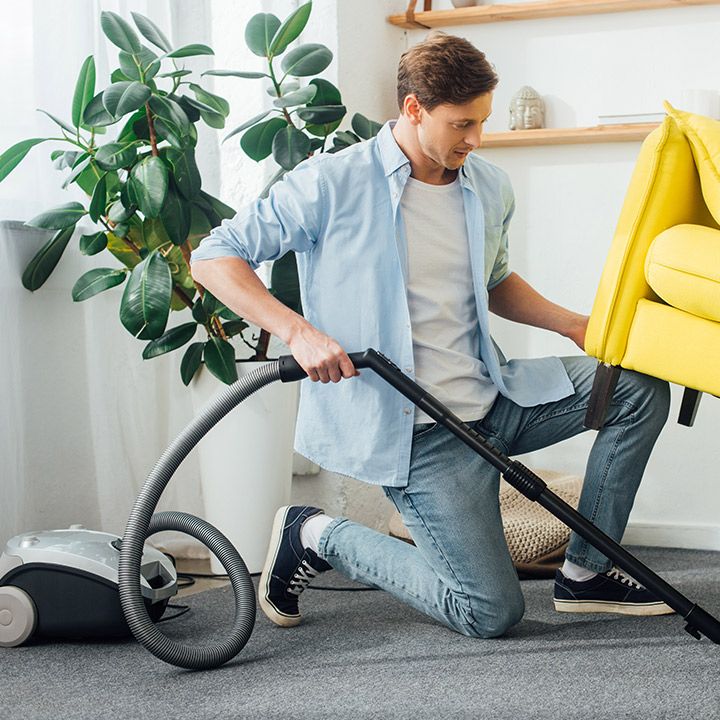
(528, 483)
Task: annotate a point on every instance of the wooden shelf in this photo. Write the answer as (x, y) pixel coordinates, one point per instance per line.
(568, 136)
(533, 10)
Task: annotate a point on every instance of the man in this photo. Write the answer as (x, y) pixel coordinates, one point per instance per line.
(402, 245)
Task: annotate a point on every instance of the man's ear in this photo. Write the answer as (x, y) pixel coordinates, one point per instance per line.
(412, 109)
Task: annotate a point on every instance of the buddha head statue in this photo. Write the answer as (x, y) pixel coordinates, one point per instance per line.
(527, 110)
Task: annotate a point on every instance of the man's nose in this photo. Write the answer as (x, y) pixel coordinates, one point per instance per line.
(472, 138)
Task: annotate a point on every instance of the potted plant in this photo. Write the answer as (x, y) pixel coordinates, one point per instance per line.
(146, 200)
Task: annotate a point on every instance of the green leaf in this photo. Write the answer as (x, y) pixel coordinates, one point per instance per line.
(236, 73)
(95, 281)
(290, 146)
(322, 114)
(118, 75)
(81, 163)
(84, 90)
(199, 313)
(210, 303)
(148, 185)
(185, 171)
(284, 282)
(220, 360)
(145, 304)
(99, 199)
(218, 104)
(246, 125)
(114, 156)
(365, 128)
(118, 213)
(308, 59)
(170, 113)
(142, 66)
(58, 218)
(223, 211)
(260, 31)
(173, 339)
(95, 114)
(191, 51)
(327, 93)
(299, 97)
(290, 29)
(191, 362)
(119, 32)
(151, 32)
(175, 74)
(14, 155)
(287, 86)
(62, 124)
(175, 216)
(93, 244)
(124, 97)
(208, 114)
(257, 141)
(234, 327)
(38, 270)
(170, 133)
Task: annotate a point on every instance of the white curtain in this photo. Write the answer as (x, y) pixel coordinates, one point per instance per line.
(83, 418)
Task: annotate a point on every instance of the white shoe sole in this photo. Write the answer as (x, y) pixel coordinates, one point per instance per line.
(274, 615)
(594, 606)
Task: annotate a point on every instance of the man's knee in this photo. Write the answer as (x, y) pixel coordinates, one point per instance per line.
(648, 393)
(495, 619)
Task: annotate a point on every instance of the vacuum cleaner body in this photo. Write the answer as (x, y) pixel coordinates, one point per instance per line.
(64, 584)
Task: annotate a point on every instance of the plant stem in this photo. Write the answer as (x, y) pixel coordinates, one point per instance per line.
(151, 127)
(278, 92)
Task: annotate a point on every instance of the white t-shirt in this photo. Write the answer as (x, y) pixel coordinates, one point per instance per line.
(441, 299)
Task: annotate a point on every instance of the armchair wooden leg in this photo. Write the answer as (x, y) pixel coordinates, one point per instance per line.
(689, 406)
(606, 377)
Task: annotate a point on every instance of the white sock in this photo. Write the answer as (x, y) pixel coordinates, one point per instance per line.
(574, 572)
(312, 529)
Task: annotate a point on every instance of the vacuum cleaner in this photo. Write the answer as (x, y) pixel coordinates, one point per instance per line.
(63, 584)
(143, 522)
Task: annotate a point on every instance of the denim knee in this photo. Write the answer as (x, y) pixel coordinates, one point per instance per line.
(497, 619)
(653, 394)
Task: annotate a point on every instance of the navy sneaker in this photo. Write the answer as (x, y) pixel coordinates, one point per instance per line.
(289, 567)
(611, 592)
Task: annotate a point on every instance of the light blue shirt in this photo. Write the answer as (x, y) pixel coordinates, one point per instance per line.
(340, 213)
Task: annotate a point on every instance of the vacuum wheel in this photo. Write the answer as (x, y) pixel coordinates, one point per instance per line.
(18, 616)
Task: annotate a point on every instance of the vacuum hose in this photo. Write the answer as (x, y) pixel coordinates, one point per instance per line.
(142, 523)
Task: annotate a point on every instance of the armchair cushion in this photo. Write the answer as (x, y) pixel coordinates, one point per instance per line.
(703, 134)
(683, 268)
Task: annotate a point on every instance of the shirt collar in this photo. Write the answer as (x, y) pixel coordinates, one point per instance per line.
(390, 153)
(394, 158)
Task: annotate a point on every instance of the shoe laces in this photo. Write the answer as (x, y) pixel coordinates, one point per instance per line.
(617, 574)
(302, 577)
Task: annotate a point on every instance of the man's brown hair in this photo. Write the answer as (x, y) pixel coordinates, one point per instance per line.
(444, 69)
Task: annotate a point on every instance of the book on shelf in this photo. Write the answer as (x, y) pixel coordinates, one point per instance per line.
(631, 119)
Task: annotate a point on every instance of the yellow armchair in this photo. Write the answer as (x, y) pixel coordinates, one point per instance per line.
(657, 308)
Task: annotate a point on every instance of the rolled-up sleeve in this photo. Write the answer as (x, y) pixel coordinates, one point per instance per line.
(289, 218)
(501, 266)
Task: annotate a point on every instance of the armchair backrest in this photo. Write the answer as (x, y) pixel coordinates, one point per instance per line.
(664, 191)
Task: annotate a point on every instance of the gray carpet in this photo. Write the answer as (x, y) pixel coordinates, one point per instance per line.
(365, 655)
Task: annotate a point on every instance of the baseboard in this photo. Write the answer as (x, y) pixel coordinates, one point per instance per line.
(693, 537)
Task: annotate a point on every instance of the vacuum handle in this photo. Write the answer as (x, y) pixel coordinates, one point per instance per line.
(290, 369)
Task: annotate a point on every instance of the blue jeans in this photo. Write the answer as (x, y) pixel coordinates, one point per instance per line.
(460, 571)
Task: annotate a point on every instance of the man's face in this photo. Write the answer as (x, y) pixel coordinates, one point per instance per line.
(449, 132)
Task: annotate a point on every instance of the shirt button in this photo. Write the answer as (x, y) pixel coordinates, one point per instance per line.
(408, 369)
(406, 411)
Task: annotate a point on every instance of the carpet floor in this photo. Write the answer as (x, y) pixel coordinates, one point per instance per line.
(365, 655)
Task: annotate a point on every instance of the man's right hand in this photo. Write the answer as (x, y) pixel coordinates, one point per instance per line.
(320, 356)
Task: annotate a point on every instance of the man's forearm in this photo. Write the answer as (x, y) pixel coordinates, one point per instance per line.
(232, 281)
(515, 300)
